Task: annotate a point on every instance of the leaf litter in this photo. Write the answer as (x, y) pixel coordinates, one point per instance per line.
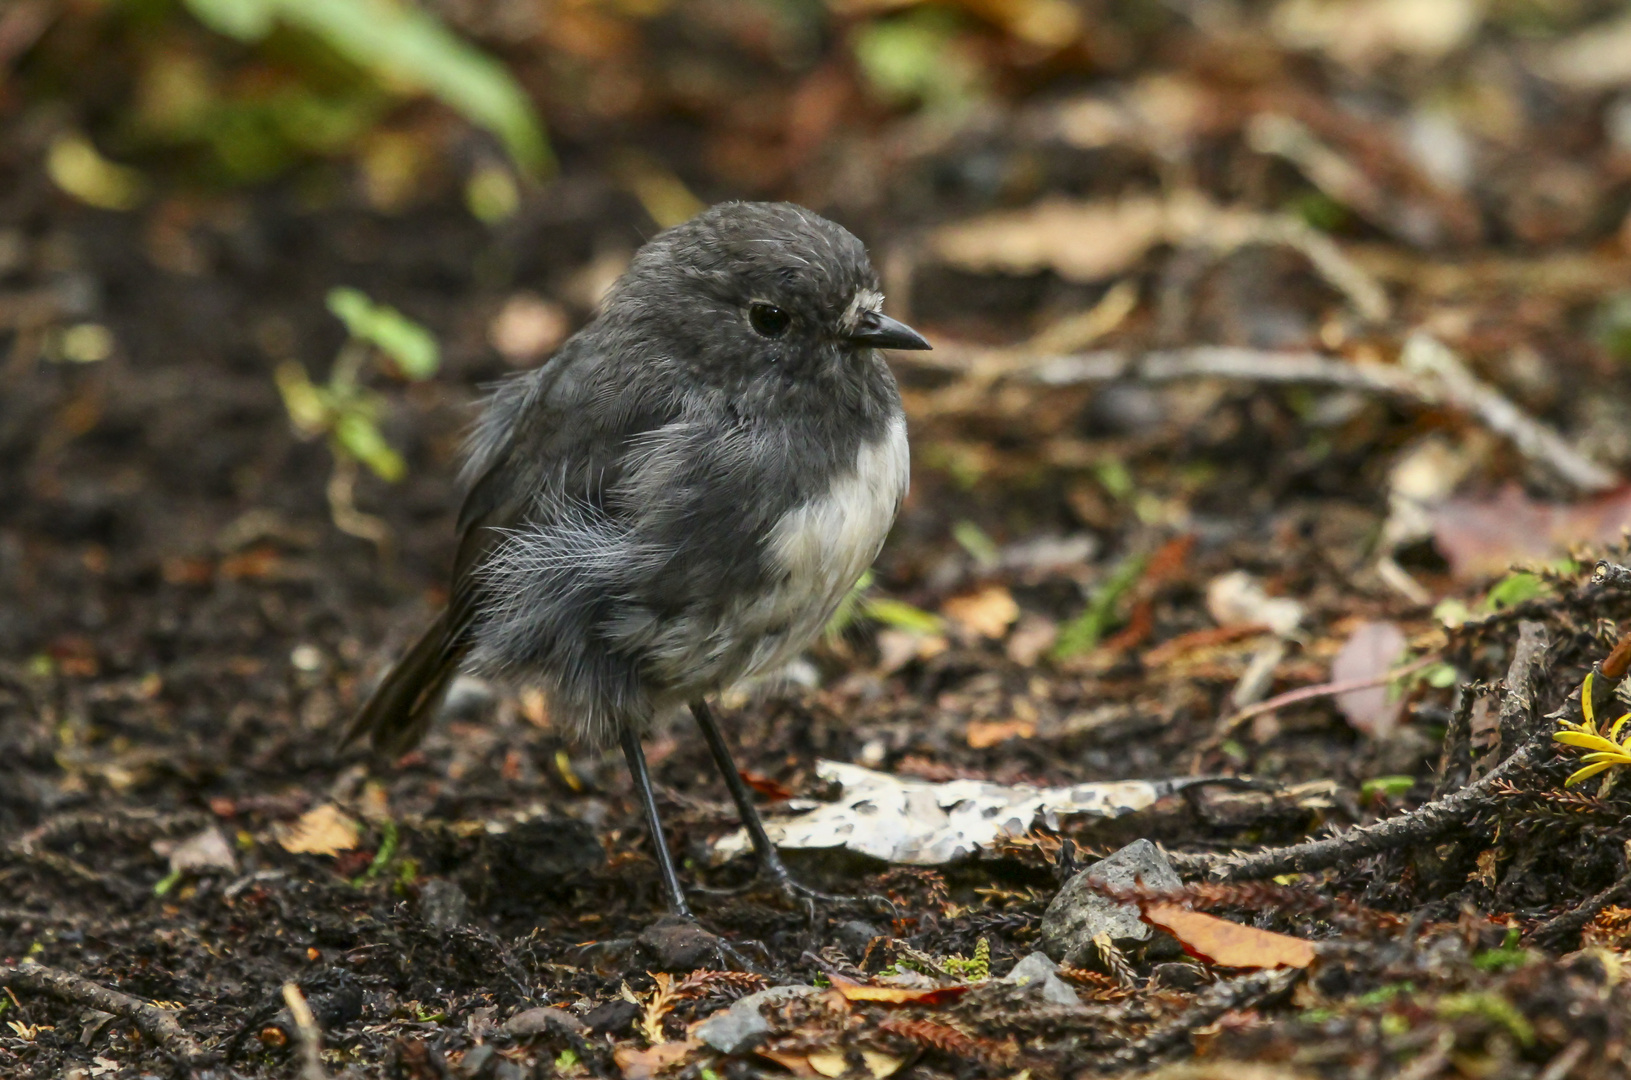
(1241, 381)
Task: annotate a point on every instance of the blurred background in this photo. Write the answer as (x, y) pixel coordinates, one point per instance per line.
(1270, 337)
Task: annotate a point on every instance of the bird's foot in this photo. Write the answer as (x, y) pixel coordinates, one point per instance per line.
(679, 942)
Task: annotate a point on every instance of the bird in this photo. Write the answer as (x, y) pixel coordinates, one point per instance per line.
(678, 499)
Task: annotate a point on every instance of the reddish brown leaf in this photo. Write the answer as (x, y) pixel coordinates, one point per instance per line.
(1228, 944)
(895, 995)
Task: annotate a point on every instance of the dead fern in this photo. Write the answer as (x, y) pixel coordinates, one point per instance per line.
(949, 1040)
(725, 984)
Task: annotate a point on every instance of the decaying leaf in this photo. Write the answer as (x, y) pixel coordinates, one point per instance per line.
(1236, 599)
(1370, 652)
(1481, 537)
(925, 824)
(988, 612)
(895, 995)
(1227, 944)
(645, 1064)
(984, 733)
(322, 830)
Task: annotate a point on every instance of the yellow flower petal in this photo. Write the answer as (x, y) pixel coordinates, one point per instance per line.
(1580, 738)
(1587, 773)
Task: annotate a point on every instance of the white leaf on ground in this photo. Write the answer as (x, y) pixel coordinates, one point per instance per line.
(925, 824)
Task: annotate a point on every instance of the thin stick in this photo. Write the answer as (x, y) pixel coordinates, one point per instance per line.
(1427, 822)
(149, 1019)
(1228, 725)
(311, 1038)
(1429, 375)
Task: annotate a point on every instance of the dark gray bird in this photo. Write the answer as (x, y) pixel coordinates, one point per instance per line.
(680, 497)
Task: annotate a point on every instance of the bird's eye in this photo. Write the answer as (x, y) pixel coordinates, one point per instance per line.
(768, 320)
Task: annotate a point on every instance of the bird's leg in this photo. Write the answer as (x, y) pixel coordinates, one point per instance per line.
(636, 756)
(770, 860)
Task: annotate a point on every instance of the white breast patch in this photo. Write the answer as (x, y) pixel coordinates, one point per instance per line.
(826, 544)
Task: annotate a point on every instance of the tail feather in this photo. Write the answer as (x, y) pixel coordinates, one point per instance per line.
(400, 709)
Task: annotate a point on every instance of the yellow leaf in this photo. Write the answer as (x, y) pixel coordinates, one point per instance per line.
(880, 1064)
(322, 830)
(828, 1063)
(989, 612)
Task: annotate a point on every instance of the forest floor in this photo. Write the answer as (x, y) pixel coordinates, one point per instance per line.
(1233, 396)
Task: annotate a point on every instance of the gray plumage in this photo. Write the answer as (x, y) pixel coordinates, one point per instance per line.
(677, 499)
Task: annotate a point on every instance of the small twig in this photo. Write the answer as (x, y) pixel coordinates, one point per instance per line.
(1241, 992)
(1426, 822)
(1229, 724)
(1455, 755)
(1559, 927)
(1518, 704)
(311, 1038)
(150, 1020)
(1429, 375)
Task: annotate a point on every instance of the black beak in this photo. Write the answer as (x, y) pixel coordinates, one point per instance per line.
(879, 330)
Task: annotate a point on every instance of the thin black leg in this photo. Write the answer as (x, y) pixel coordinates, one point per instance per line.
(770, 860)
(636, 757)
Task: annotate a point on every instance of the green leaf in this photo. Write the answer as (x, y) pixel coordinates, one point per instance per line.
(407, 45)
(845, 612)
(246, 20)
(1490, 1006)
(1440, 676)
(407, 48)
(408, 344)
(1386, 786)
(307, 406)
(972, 539)
(1082, 634)
(382, 857)
(1514, 589)
(356, 434)
(901, 615)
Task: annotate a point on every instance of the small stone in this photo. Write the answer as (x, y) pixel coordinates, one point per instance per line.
(1041, 974)
(541, 1021)
(854, 935)
(612, 1017)
(678, 944)
(743, 1026)
(1078, 914)
(476, 1059)
(443, 904)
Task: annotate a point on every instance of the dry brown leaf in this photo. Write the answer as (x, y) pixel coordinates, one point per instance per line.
(985, 733)
(646, 1064)
(989, 612)
(1080, 241)
(895, 995)
(322, 830)
(1227, 944)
